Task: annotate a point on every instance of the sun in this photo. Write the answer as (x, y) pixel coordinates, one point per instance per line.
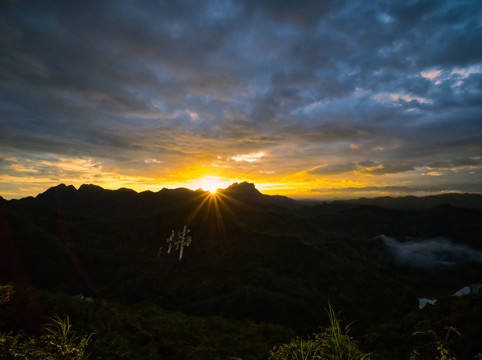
(210, 183)
(212, 190)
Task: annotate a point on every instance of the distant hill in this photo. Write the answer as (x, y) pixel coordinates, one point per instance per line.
(468, 201)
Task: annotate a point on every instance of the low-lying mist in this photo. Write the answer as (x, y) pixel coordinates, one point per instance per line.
(437, 252)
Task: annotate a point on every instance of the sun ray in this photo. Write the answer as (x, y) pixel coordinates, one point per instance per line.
(219, 219)
(198, 208)
(215, 207)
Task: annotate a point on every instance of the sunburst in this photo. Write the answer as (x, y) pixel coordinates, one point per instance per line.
(211, 183)
(215, 206)
(212, 190)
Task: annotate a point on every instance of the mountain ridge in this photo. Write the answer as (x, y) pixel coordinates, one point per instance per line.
(246, 191)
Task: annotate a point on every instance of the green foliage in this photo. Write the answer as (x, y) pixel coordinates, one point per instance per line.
(437, 347)
(297, 349)
(6, 293)
(333, 343)
(146, 331)
(61, 340)
(57, 343)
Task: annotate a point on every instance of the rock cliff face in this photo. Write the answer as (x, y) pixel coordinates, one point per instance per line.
(243, 191)
(246, 191)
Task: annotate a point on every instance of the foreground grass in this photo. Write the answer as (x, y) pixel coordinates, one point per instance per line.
(333, 343)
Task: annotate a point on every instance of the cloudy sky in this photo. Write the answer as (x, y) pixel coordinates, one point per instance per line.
(304, 98)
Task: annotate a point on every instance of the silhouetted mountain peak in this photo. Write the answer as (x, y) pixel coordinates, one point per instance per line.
(246, 191)
(243, 191)
(63, 187)
(126, 191)
(90, 187)
(243, 187)
(55, 190)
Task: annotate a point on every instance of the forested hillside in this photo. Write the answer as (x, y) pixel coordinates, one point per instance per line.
(182, 274)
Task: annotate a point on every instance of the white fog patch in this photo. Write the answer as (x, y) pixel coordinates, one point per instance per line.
(422, 302)
(432, 253)
(468, 290)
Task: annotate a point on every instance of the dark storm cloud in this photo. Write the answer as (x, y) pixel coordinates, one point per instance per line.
(302, 14)
(376, 87)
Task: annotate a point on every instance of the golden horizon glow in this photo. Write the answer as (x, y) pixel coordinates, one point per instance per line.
(31, 181)
(211, 183)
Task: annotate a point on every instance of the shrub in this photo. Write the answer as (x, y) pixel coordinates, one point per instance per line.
(57, 343)
(436, 347)
(333, 343)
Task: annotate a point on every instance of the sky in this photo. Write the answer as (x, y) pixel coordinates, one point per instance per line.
(309, 99)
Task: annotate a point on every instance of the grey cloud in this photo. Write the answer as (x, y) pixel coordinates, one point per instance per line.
(326, 132)
(333, 169)
(378, 189)
(440, 165)
(367, 163)
(476, 161)
(390, 169)
(299, 13)
(423, 189)
(468, 162)
(374, 168)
